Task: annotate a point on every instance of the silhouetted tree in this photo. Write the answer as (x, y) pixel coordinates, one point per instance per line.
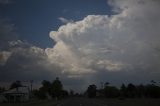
(123, 90)
(152, 91)
(57, 88)
(16, 84)
(106, 84)
(131, 90)
(111, 92)
(141, 91)
(91, 91)
(46, 86)
(40, 94)
(153, 82)
(44, 90)
(71, 93)
(64, 93)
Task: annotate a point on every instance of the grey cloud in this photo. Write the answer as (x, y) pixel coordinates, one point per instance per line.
(28, 63)
(20, 60)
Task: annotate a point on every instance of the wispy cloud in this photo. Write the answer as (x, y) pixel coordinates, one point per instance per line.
(64, 20)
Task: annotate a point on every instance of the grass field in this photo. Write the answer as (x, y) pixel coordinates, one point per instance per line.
(101, 102)
(130, 102)
(35, 103)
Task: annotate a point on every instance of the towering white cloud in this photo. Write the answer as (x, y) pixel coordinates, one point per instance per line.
(120, 42)
(97, 48)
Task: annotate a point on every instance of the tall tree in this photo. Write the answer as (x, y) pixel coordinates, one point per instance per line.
(123, 90)
(111, 91)
(92, 91)
(131, 90)
(46, 85)
(43, 91)
(57, 88)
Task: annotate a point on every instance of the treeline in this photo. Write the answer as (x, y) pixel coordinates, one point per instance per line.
(50, 90)
(54, 90)
(125, 91)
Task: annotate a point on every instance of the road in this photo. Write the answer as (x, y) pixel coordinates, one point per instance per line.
(81, 102)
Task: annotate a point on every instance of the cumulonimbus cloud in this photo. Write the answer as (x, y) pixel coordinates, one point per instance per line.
(121, 46)
(112, 43)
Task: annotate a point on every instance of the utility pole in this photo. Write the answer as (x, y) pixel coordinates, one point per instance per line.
(101, 85)
(31, 85)
(31, 82)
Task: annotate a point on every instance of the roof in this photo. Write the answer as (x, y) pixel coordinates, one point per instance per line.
(18, 90)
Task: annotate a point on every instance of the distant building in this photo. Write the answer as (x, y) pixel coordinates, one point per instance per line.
(19, 94)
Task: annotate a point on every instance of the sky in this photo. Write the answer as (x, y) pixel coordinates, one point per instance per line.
(80, 41)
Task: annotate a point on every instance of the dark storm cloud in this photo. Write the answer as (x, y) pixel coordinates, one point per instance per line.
(20, 60)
